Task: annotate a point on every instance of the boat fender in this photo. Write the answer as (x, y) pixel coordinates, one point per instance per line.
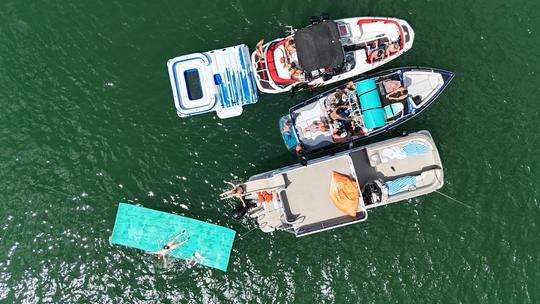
(265, 196)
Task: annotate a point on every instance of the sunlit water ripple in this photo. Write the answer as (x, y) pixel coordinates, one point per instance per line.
(87, 120)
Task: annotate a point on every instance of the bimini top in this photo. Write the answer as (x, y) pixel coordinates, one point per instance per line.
(319, 47)
(219, 80)
(150, 230)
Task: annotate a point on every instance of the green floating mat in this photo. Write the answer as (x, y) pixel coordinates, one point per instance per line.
(149, 230)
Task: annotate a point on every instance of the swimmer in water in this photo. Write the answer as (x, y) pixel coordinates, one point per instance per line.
(171, 245)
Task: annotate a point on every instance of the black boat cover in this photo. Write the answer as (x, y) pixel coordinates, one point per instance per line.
(318, 46)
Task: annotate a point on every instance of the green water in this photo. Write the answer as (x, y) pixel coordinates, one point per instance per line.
(87, 119)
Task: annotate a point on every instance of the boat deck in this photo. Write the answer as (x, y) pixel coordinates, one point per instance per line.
(307, 202)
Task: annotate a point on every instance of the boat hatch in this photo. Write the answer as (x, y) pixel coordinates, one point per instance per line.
(219, 80)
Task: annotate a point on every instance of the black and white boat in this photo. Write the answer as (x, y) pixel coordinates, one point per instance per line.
(361, 108)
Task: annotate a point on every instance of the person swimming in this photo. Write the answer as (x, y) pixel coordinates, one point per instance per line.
(169, 246)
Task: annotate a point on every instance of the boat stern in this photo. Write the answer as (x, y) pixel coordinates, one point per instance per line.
(288, 134)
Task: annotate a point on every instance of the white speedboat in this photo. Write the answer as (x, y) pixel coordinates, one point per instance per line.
(328, 51)
(338, 190)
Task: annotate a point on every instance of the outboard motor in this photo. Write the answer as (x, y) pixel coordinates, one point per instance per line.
(239, 212)
(372, 193)
(314, 19)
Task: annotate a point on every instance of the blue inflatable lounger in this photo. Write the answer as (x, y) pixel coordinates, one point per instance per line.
(150, 230)
(220, 81)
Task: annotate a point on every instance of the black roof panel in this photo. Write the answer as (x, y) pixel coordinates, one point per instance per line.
(318, 46)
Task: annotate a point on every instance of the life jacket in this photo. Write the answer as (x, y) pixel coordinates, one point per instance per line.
(265, 196)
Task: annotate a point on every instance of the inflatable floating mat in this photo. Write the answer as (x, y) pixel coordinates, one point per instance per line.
(150, 230)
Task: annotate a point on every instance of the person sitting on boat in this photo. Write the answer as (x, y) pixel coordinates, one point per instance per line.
(295, 72)
(398, 95)
(356, 129)
(340, 135)
(375, 52)
(350, 91)
(350, 86)
(341, 113)
(317, 125)
(335, 100)
(259, 52)
(286, 126)
(378, 52)
(301, 154)
(290, 48)
(391, 48)
(171, 245)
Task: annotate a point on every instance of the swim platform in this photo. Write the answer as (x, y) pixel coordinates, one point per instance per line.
(149, 230)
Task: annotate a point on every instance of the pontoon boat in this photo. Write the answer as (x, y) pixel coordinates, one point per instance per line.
(328, 51)
(338, 190)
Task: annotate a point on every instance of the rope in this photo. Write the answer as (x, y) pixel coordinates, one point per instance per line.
(244, 235)
(455, 200)
(448, 196)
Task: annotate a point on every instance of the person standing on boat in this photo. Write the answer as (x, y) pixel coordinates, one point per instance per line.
(301, 154)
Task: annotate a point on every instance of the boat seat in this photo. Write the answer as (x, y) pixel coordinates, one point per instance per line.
(392, 152)
(410, 183)
(374, 118)
(393, 110)
(370, 103)
(265, 184)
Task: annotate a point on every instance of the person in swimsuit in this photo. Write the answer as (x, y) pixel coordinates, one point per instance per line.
(391, 49)
(294, 71)
(171, 245)
(290, 48)
(286, 126)
(375, 52)
(398, 95)
(341, 113)
(318, 125)
(236, 191)
(259, 50)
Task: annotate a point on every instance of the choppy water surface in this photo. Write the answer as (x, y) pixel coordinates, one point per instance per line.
(87, 120)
